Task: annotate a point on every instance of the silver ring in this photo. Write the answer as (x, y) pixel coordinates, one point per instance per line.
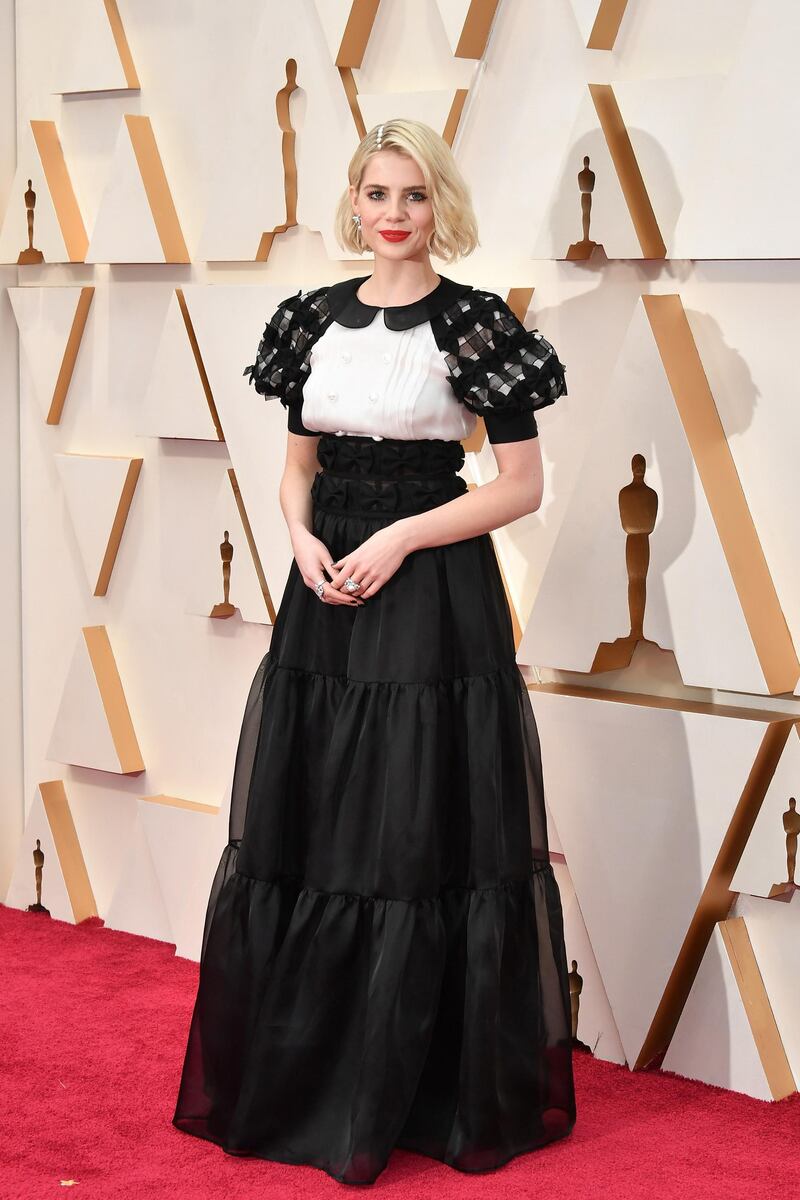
(350, 585)
(319, 588)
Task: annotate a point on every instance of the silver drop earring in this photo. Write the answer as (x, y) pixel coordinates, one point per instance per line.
(357, 219)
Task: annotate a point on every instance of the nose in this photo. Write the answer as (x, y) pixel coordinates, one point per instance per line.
(397, 210)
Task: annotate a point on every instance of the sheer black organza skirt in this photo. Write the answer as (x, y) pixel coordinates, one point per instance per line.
(383, 958)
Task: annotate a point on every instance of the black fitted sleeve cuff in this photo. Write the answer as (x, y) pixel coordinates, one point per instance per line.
(510, 427)
(295, 424)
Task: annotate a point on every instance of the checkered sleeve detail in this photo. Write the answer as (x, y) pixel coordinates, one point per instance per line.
(282, 365)
(495, 364)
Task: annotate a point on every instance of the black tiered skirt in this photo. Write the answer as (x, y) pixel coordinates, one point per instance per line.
(383, 958)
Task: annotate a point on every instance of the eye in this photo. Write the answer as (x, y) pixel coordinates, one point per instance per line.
(379, 192)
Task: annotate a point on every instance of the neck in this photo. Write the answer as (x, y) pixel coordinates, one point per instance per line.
(401, 282)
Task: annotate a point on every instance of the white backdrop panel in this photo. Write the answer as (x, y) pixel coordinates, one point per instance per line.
(583, 600)
(713, 1040)
(642, 798)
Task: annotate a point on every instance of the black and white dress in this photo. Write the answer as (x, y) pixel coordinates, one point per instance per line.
(383, 960)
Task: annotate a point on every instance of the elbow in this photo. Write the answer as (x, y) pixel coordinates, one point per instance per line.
(524, 489)
(534, 499)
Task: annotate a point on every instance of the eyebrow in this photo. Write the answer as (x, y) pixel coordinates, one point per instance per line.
(417, 187)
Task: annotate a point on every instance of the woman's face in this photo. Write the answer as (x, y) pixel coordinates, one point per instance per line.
(393, 199)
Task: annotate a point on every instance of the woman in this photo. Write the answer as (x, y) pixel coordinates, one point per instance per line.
(383, 960)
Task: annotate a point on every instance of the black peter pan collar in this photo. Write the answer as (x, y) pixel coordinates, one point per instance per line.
(346, 308)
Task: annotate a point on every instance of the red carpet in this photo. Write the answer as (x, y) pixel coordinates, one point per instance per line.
(92, 1034)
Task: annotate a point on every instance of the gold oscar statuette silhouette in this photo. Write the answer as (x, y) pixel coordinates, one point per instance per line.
(638, 507)
(791, 825)
(575, 989)
(38, 864)
(225, 609)
(283, 108)
(30, 255)
(585, 247)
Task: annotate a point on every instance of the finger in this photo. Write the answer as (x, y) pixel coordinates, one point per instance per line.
(330, 594)
(328, 598)
(358, 591)
(340, 574)
(370, 589)
(337, 597)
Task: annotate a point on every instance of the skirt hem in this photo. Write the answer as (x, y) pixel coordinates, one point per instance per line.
(298, 1161)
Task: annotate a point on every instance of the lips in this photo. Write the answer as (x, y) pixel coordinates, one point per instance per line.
(392, 235)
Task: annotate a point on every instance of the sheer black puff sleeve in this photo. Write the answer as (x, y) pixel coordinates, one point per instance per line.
(282, 358)
(498, 368)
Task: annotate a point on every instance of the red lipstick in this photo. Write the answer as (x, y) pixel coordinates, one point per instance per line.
(394, 235)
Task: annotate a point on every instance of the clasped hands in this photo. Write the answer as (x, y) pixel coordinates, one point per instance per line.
(372, 564)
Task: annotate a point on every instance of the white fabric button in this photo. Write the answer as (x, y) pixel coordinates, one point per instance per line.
(333, 396)
(346, 356)
(374, 395)
(386, 356)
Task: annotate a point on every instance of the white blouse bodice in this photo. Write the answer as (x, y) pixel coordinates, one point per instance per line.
(379, 382)
(408, 372)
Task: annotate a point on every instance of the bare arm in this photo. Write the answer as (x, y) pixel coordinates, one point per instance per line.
(298, 474)
(516, 490)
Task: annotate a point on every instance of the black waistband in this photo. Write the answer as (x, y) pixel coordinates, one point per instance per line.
(356, 456)
(362, 477)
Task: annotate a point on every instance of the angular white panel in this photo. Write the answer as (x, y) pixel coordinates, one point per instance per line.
(664, 119)
(692, 606)
(741, 203)
(520, 116)
(752, 381)
(585, 14)
(87, 60)
(454, 14)
(81, 733)
(764, 861)
(333, 16)
(658, 40)
(596, 1026)
(137, 904)
(44, 317)
(206, 585)
(93, 485)
(642, 797)
(124, 230)
(175, 403)
(713, 1041)
(47, 234)
(610, 220)
(184, 876)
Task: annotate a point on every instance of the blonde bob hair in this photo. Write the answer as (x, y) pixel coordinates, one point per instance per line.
(455, 228)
